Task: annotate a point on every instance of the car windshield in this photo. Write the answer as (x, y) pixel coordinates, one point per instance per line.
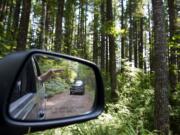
(78, 83)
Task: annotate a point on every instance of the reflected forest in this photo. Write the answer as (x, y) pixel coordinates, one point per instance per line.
(135, 43)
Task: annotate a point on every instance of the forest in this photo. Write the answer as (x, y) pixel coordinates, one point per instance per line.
(135, 43)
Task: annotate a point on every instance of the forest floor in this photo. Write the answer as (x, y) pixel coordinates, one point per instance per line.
(64, 105)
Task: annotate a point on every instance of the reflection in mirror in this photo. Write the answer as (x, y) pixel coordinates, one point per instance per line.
(51, 87)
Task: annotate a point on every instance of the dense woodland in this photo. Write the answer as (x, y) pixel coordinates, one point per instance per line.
(135, 43)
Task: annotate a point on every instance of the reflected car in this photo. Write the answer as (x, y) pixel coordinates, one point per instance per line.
(77, 88)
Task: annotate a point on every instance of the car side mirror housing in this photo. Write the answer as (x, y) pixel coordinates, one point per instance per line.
(44, 90)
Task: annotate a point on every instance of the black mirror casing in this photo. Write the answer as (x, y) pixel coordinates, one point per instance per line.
(10, 68)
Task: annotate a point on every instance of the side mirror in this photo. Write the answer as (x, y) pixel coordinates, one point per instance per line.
(50, 90)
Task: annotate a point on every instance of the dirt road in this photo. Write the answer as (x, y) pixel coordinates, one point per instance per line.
(64, 105)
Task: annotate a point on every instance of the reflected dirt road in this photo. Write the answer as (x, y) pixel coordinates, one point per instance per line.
(64, 105)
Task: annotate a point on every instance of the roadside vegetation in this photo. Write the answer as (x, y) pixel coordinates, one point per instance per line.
(135, 43)
(131, 113)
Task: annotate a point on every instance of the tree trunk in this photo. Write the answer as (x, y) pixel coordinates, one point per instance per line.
(85, 32)
(107, 55)
(23, 27)
(58, 33)
(135, 43)
(161, 118)
(172, 59)
(102, 35)
(112, 54)
(145, 54)
(130, 30)
(122, 28)
(47, 23)
(150, 40)
(95, 34)
(141, 44)
(2, 9)
(9, 20)
(43, 25)
(178, 67)
(122, 36)
(69, 21)
(16, 18)
(81, 28)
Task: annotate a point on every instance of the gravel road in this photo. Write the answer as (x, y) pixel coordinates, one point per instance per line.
(64, 105)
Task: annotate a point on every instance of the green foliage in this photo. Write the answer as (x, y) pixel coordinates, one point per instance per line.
(56, 85)
(132, 114)
(175, 99)
(135, 87)
(133, 111)
(6, 42)
(110, 28)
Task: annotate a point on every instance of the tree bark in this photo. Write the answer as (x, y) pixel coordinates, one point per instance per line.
(130, 30)
(135, 43)
(82, 22)
(16, 18)
(69, 20)
(112, 53)
(107, 55)
(47, 23)
(141, 44)
(178, 61)
(23, 27)
(150, 40)
(3, 9)
(172, 59)
(9, 20)
(58, 33)
(122, 28)
(102, 35)
(43, 25)
(85, 32)
(161, 116)
(95, 34)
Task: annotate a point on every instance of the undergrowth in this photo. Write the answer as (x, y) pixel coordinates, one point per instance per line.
(131, 114)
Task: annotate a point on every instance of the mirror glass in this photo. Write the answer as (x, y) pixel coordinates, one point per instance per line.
(50, 87)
